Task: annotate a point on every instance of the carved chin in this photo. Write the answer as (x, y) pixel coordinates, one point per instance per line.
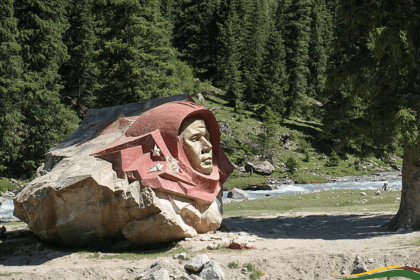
(206, 169)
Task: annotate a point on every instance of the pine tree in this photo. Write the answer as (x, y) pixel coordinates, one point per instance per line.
(256, 30)
(11, 71)
(298, 30)
(135, 55)
(319, 48)
(194, 35)
(374, 91)
(44, 121)
(272, 81)
(80, 72)
(229, 59)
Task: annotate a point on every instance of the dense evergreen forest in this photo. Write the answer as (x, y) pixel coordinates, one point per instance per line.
(293, 57)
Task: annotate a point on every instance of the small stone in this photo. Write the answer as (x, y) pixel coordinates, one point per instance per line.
(158, 275)
(182, 256)
(212, 271)
(360, 268)
(358, 259)
(363, 194)
(370, 260)
(155, 264)
(378, 192)
(236, 245)
(249, 246)
(211, 246)
(197, 263)
(224, 244)
(176, 256)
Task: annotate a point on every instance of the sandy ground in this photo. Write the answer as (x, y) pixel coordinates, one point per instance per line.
(288, 246)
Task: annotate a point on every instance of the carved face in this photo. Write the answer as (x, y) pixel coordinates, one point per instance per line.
(197, 146)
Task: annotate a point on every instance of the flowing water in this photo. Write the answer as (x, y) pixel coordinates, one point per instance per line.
(6, 210)
(297, 188)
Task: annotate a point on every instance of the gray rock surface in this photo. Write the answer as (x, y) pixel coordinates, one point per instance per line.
(237, 194)
(158, 275)
(262, 168)
(197, 263)
(212, 271)
(359, 268)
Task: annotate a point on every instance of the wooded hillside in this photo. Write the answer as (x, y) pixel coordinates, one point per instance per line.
(60, 58)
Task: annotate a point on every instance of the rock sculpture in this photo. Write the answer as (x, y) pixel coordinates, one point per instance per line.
(145, 172)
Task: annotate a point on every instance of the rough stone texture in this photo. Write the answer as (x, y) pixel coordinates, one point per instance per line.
(158, 275)
(79, 199)
(197, 263)
(262, 168)
(200, 97)
(212, 271)
(2, 200)
(237, 194)
(359, 268)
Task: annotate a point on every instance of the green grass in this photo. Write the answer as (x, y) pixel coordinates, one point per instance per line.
(233, 264)
(139, 255)
(338, 201)
(242, 181)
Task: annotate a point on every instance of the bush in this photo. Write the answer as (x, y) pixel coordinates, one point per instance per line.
(291, 164)
(5, 185)
(333, 159)
(307, 157)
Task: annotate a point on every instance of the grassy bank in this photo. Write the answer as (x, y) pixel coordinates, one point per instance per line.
(245, 142)
(336, 201)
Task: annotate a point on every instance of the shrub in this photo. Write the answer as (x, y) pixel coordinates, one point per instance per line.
(5, 185)
(333, 159)
(233, 264)
(291, 164)
(307, 157)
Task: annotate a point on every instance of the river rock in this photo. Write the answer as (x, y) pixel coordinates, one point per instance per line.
(212, 271)
(79, 199)
(158, 275)
(237, 194)
(197, 263)
(262, 168)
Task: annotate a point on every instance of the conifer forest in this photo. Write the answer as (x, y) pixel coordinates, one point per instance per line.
(352, 65)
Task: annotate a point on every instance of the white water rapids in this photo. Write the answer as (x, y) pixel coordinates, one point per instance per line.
(6, 210)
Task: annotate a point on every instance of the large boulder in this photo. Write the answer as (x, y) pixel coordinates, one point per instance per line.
(79, 198)
(262, 168)
(237, 194)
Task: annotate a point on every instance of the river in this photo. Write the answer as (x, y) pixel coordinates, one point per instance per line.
(6, 210)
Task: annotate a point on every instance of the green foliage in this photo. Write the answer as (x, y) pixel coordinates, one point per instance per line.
(270, 129)
(256, 274)
(291, 164)
(5, 185)
(307, 157)
(250, 266)
(333, 159)
(233, 264)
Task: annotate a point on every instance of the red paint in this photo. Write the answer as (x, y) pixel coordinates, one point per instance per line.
(133, 154)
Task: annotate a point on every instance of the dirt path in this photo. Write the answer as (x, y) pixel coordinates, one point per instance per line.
(288, 246)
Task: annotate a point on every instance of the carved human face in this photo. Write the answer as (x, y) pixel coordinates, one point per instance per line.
(197, 146)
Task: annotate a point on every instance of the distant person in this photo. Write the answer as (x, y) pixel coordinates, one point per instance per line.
(384, 186)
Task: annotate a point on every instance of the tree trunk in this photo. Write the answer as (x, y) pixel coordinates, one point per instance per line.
(408, 216)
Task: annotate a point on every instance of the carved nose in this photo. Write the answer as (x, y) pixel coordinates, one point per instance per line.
(206, 145)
